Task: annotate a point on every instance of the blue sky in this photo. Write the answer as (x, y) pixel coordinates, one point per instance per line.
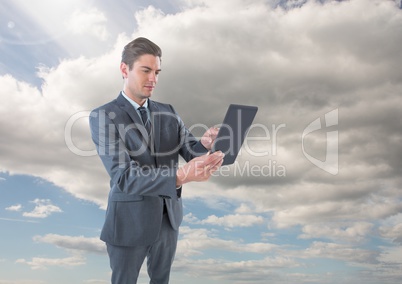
(315, 195)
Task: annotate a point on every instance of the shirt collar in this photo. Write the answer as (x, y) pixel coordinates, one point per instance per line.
(133, 103)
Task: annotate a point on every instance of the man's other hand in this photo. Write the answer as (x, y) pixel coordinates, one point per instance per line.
(200, 168)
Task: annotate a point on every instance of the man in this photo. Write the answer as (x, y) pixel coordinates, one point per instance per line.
(139, 142)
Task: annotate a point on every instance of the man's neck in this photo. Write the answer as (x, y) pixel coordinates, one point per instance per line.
(140, 101)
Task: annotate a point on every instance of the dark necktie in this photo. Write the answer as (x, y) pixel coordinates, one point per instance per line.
(147, 125)
(145, 120)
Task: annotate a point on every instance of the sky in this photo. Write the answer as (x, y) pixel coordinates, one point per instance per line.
(315, 193)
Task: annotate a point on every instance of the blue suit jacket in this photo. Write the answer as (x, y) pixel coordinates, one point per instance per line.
(140, 176)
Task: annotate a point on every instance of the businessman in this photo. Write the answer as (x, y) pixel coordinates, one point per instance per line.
(139, 142)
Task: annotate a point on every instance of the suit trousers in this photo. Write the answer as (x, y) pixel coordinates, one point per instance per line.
(126, 262)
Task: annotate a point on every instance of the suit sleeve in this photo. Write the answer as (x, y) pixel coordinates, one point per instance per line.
(126, 175)
(191, 147)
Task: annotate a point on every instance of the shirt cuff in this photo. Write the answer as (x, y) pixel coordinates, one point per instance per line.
(178, 191)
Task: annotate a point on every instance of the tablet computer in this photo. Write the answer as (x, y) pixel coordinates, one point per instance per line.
(233, 131)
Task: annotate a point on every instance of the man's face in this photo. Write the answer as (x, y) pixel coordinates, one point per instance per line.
(140, 81)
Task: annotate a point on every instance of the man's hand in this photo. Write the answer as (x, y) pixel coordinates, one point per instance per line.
(208, 139)
(200, 168)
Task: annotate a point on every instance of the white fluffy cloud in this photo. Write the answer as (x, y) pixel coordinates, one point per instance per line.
(338, 232)
(228, 221)
(253, 268)
(43, 208)
(76, 246)
(78, 243)
(92, 22)
(194, 241)
(16, 207)
(44, 263)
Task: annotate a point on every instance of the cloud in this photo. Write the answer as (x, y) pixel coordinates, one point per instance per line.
(194, 241)
(43, 209)
(338, 232)
(22, 281)
(393, 233)
(44, 263)
(17, 220)
(45, 21)
(341, 252)
(392, 256)
(76, 246)
(252, 268)
(44, 117)
(228, 221)
(280, 69)
(95, 281)
(78, 243)
(331, 210)
(92, 22)
(16, 207)
(253, 271)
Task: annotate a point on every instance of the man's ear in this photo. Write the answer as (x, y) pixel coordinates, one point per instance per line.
(124, 70)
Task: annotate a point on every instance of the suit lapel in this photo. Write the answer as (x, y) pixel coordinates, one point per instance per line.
(132, 113)
(156, 124)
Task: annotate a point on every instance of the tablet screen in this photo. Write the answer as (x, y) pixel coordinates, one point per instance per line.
(233, 131)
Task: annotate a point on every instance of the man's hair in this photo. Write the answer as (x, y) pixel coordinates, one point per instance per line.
(138, 47)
